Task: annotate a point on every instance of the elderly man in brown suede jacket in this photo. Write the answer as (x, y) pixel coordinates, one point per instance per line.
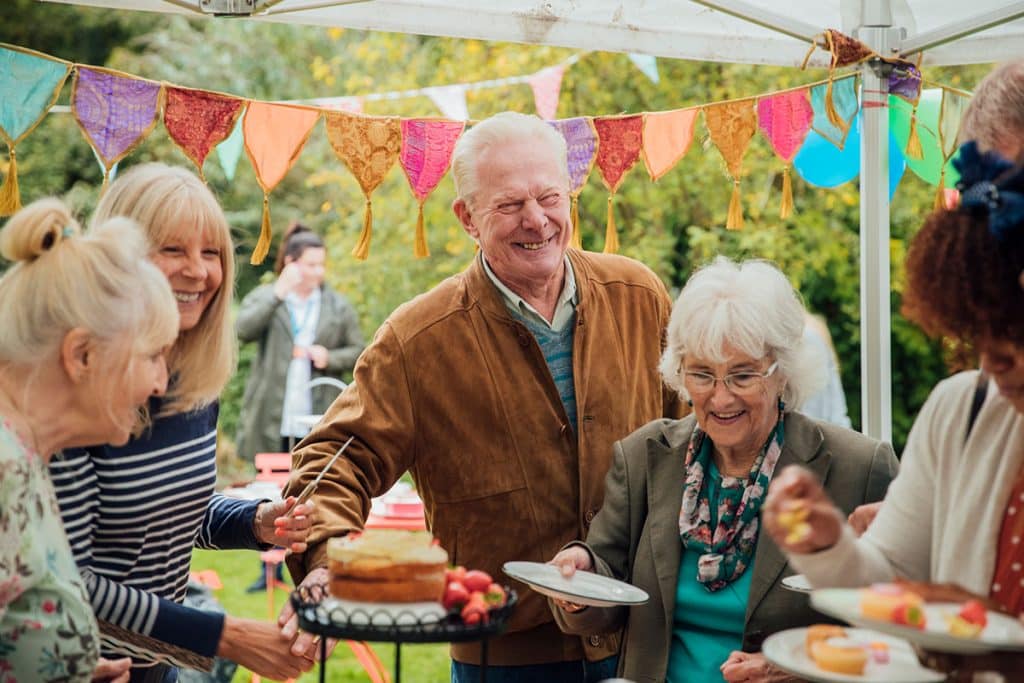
(501, 390)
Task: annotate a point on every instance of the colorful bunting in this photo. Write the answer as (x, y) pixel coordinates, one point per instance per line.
(230, 151)
(29, 85)
(732, 125)
(620, 141)
(581, 148)
(198, 121)
(274, 136)
(369, 147)
(115, 112)
(547, 86)
(951, 113)
(427, 147)
(905, 81)
(842, 97)
(667, 138)
(451, 100)
(785, 120)
(648, 65)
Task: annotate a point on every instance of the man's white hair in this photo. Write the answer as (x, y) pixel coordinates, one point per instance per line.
(499, 129)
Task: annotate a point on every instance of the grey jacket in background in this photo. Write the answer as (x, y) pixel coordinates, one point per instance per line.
(263, 318)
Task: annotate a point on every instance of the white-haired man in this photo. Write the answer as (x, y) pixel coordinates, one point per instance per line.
(501, 390)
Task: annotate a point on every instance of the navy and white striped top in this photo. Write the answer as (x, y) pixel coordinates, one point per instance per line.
(133, 514)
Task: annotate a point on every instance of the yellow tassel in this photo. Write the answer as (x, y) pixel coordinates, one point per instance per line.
(263, 243)
(577, 236)
(940, 193)
(611, 235)
(10, 201)
(105, 183)
(830, 109)
(786, 206)
(362, 248)
(914, 150)
(420, 249)
(734, 220)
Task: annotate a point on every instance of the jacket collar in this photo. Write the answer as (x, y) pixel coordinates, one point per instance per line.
(484, 293)
(665, 477)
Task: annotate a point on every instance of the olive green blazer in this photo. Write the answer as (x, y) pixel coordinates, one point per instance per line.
(635, 536)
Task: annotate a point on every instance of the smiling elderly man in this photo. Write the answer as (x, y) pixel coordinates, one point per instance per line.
(501, 390)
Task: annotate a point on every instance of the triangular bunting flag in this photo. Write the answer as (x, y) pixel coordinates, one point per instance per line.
(648, 65)
(905, 82)
(785, 119)
(667, 138)
(581, 143)
(114, 111)
(230, 151)
(29, 86)
(621, 139)
(198, 121)
(274, 136)
(547, 86)
(732, 125)
(951, 113)
(451, 100)
(844, 102)
(369, 147)
(427, 147)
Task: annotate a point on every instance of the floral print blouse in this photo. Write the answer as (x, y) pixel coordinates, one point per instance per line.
(47, 630)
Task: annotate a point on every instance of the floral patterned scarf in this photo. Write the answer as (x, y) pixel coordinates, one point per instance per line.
(729, 547)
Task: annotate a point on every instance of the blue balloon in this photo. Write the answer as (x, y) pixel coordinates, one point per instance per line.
(897, 164)
(821, 163)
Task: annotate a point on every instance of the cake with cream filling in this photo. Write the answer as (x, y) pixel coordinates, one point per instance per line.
(387, 565)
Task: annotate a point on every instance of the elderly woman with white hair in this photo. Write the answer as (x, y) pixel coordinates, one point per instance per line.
(682, 509)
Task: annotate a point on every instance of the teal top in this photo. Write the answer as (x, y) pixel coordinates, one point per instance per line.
(707, 627)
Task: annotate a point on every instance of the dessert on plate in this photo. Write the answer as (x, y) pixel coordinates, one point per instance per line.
(387, 565)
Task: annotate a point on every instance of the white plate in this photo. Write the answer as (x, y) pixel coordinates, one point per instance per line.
(787, 651)
(1002, 632)
(584, 588)
(378, 613)
(797, 583)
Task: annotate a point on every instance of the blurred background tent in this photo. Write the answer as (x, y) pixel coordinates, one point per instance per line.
(944, 32)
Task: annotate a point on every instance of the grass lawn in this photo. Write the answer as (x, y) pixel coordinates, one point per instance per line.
(238, 568)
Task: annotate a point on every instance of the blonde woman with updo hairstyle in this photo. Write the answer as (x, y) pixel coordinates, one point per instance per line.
(87, 320)
(134, 511)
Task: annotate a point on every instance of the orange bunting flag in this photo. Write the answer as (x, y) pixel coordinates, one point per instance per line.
(198, 121)
(369, 147)
(785, 119)
(620, 139)
(427, 146)
(732, 125)
(667, 138)
(274, 137)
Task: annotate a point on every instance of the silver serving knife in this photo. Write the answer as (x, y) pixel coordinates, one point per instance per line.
(311, 486)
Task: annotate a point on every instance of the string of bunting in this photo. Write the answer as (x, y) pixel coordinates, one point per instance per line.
(116, 111)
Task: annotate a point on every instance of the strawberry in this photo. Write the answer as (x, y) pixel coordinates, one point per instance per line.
(476, 580)
(909, 615)
(456, 573)
(475, 610)
(495, 596)
(974, 612)
(455, 595)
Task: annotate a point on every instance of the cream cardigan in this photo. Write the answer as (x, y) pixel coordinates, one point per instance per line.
(942, 514)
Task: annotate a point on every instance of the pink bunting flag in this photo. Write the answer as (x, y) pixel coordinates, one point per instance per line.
(114, 111)
(427, 146)
(547, 86)
(785, 119)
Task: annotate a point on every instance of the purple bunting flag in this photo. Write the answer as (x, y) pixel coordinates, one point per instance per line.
(115, 112)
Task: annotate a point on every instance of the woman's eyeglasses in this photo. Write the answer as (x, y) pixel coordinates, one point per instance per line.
(739, 383)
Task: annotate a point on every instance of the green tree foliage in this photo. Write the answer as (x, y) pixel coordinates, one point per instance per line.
(673, 225)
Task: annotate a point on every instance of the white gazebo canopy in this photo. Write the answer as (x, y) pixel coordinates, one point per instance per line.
(948, 32)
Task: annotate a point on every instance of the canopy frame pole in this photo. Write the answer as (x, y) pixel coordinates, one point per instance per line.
(950, 32)
(764, 18)
(877, 32)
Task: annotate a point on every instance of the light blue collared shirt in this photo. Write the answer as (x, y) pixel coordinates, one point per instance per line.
(564, 309)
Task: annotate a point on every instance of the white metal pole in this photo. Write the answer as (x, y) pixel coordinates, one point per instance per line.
(875, 336)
